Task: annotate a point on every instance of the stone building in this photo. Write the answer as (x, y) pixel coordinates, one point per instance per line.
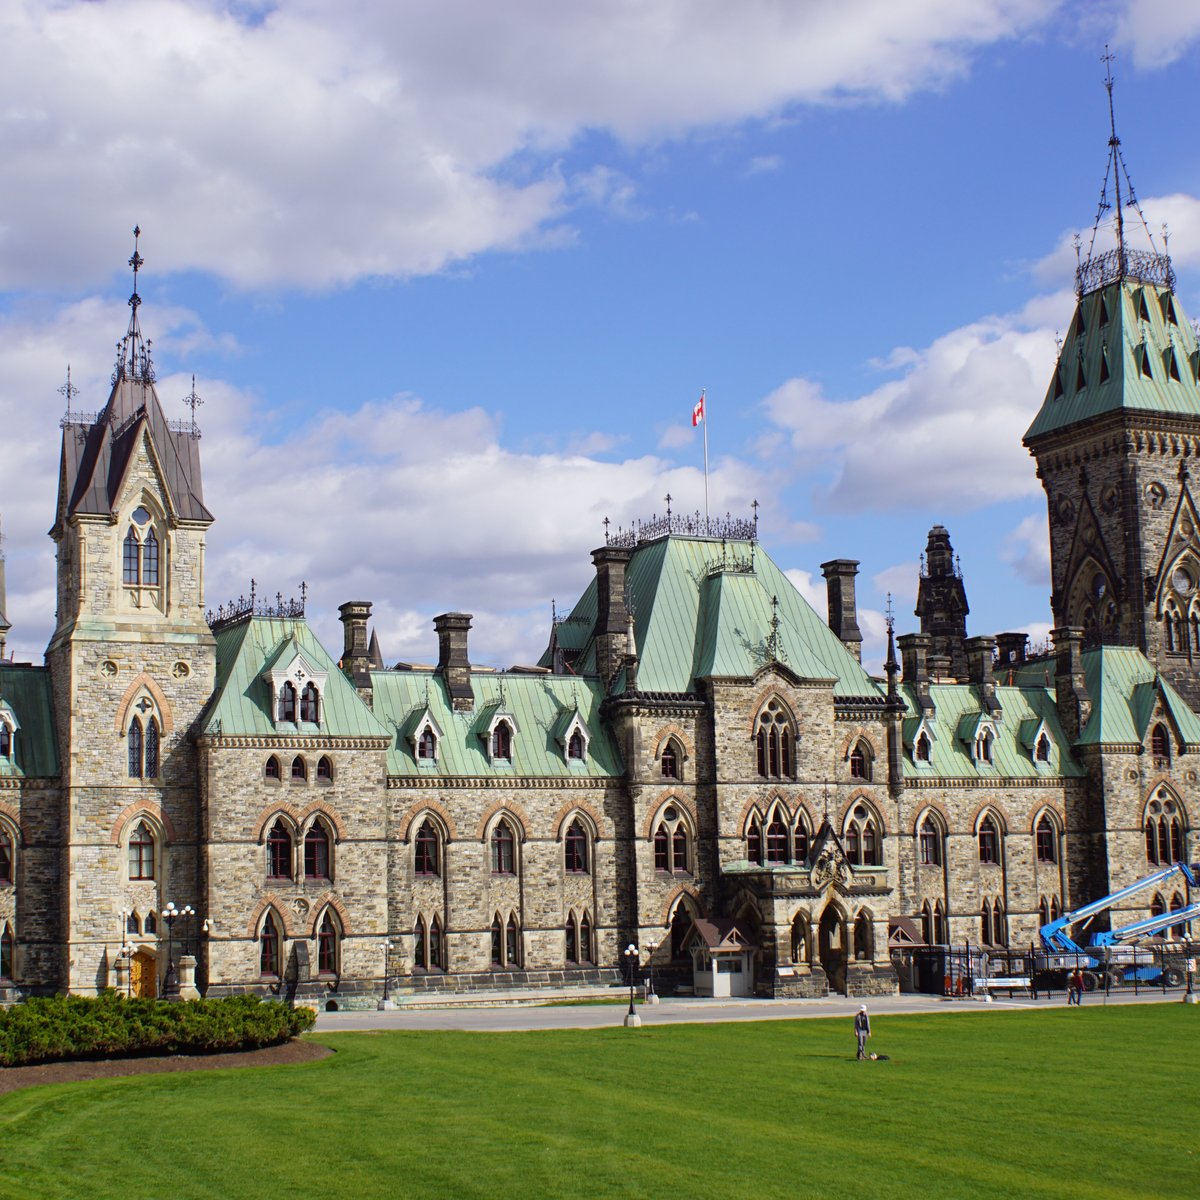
(699, 760)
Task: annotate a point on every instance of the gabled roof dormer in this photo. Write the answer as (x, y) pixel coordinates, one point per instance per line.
(919, 735)
(1034, 735)
(296, 688)
(8, 732)
(571, 733)
(498, 729)
(977, 732)
(424, 735)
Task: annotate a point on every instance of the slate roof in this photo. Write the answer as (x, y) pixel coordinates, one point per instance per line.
(26, 690)
(958, 715)
(1115, 346)
(242, 701)
(96, 457)
(538, 704)
(703, 608)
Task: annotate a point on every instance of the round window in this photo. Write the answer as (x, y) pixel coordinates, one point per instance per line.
(670, 814)
(1182, 581)
(1099, 587)
(141, 516)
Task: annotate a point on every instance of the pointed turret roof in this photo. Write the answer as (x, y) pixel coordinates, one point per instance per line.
(1130, 345)
(96, 451)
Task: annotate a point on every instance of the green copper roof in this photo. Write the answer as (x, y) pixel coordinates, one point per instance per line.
(242, 704)
(26, 690)
(1130, 346)
(704, 608)
(1124, 687)
(958, 718)
(541, 708)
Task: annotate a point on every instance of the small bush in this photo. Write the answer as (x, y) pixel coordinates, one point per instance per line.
(110, 1026)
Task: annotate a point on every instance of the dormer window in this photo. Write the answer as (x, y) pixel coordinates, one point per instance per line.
(575, 747)
(309, 704)
(7, 729)
(1041, 750)
(502, 741)
(921, 748)
(296, 686)
(983, 746)
(287, 702)
(427, 745)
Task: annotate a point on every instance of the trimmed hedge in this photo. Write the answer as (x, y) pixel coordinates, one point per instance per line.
(110, 1026)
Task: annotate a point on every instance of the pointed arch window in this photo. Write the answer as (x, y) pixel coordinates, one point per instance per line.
(310, 704)
(131, 551)
(985, 923)
(5, 740)
(799, 939)
(572, 941)
(502, 741)
(577, 849)
(1044, 911)
(279, 852)
(801, 838)
(864, 937)
(989, 841)
(999, 929)
(672, 843)
(428, 849)
(316, 853)
(299, 769)
(1178, 932)
(774, 742)
(324, 769)
(287, 701)
(585, 938)
(271, 769)
(133, 925)
(680, 858)
(1046, 840)
(152, 739)
(575, 746)
(921, 747)
(662, 849)
(437, 945)
(497, 942)
(512, 942)
(136, 760)
(927, 924)
(6, 858)
(1041, 751)
(669, 761)
(862, 838)
(777, 841)
(1160, 745)
(7, 946)
(503, 849)
(427, 745)
(930, 843)
(327, 946)
(268, 941)
(150, 560)
(140, 552)
(983, 746)
(860, 761)
(141, 852)
(754, 842)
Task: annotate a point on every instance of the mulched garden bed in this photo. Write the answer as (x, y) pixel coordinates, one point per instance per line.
(12, 1078)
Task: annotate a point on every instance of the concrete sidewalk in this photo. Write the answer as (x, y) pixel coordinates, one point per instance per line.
(507, 1018)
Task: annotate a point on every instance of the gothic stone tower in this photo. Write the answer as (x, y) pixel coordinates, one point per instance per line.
(942, 602)
(132, 662)
(1114, 441)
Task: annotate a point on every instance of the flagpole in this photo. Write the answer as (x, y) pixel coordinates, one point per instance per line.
(704, 422)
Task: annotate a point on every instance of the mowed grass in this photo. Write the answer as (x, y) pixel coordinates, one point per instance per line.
(1091, 1102)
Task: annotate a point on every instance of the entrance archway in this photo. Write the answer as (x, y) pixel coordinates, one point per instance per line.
(832, 947)
(143, 975)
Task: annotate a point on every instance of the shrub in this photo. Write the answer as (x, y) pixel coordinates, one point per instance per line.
(111, 1026)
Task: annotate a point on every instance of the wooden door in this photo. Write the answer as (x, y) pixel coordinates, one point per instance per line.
(144, 975)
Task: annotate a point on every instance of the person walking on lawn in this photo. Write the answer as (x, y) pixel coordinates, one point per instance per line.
(862, 1030)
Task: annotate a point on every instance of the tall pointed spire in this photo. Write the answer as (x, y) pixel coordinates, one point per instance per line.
(133, 351)
(1099, 269)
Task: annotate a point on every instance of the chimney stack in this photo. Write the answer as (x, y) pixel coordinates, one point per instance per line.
(1014, 647)
(611, 619)
(979, 672)
(356, 662)
(843, 609)
(914, 652)
(1074, 703)
(453, 664)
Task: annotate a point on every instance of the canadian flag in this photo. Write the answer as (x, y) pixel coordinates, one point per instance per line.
(698, 411)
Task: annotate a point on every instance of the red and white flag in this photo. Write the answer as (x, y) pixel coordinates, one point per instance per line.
(698, 411)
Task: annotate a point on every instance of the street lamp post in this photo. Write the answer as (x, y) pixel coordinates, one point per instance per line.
(171, 914)
(632, 1020)
(651, 994)
(1190, 996)
(386, 1002)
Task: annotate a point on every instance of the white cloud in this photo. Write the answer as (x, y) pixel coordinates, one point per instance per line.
(763, 163)
(900, 580)
(1158, 32)
(1027, 548)
(322, 141)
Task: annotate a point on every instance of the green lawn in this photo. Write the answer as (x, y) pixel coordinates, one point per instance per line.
(1085, 1103)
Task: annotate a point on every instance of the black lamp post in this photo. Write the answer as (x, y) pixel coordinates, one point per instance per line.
(171, 914)
(632, 1020)
(651, 995)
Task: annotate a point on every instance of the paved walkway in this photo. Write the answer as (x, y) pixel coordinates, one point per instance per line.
(512, 1018)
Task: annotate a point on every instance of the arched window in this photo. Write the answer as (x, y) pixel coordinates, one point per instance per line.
(1047, 851)
(921, 747)
(1176, 840)
(681, 923)
(929, 841)
(585, 938)
(575, 745)
(854, 845)
(801, 835)
(1165, 840)
(131, 550)
(983, 746)
(437, 946)
(672, 843)
(862, 838)
(6, 858)
(870, 845)
(268, 957)
(860, 761)
(132, 924)
(299, 768)
(310, 704)
(428, 858)
(497, 942)
(774, 742)
(572, 940)
(5, 740)
(141, 852)
(680, 859)
(999, 930)
(927, 924)
(327, 946)
(669, 762)
(502, 740)
(140, 551)
(939, 925)
(864, 938)
(316, 852)
(279, 852)
(1158, 906)
(754, 843)
(1151, 842)
(152, 749)
(150, 560)
(135, 748)
(287, 701)
(1043, 911)
(1178, 932)
(420, 946)
(1055, 909)
(985, 923)
(271, 770)
(7, 946)
(503, 856)
(1160, 745)
(777, 841)
(799, 939)
(512, 942)
(151, 925)
(577, 849)
(427, 745)
(1041, 751)
(662, 849)
(324, 769)
(989, 841)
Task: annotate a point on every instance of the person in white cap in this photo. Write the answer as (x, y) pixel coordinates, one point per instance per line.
(862, 1030)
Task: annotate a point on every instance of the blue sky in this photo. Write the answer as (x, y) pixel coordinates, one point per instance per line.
(450, 277)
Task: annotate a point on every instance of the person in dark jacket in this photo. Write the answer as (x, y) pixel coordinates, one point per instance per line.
(862, 1030)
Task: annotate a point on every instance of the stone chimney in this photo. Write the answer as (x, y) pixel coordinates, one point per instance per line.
(1014, 648)
(979, 672)
(1074, 703)
(843, 610)
(914, 652)
(453, 664)
(611, 619)
(356, 662)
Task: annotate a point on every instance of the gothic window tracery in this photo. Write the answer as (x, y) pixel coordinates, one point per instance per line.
(929, 841)
(328, 944)
(1166, 835)
(774, 741)
(141, 852)
(863, 843)
(672, 843)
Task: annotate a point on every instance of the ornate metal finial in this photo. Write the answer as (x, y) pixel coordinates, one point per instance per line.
(668, 499)
(68, 390)
(1058, 343)
(253, 589)
(890, 614)
(193, 402)
(607, 523)
(303, 592)
(133, 353)
(754, 506)
(773, 648)
(135, 261)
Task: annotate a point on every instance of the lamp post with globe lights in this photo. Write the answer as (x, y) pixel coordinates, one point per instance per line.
(170, 915)
(632, 1020)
